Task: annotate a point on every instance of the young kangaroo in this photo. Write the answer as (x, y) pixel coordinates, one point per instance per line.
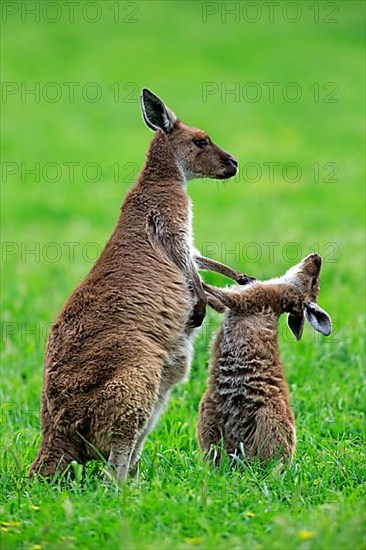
(124, 336)
(247, 402)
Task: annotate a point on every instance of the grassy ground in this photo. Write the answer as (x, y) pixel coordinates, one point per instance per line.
(258, 223)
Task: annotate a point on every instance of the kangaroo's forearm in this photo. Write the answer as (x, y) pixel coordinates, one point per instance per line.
(177, 249)
(258, 297)
(241, 300)
(216, 304)
(175, 244)
(171, 241)
(226, 297)
(218, 267)
(179, 253)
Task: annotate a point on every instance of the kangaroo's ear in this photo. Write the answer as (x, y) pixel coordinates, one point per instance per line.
(296, 324)
(318, 319)
(156, 114)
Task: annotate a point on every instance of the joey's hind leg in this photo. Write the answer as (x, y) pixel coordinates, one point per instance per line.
(274, 436)
(209, 429)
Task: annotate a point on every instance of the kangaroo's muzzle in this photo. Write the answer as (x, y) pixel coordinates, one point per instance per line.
(230, 168)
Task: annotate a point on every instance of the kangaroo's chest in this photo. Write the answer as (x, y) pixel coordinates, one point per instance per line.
(190, 224)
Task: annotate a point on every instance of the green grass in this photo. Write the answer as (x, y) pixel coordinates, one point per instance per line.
(178, 500)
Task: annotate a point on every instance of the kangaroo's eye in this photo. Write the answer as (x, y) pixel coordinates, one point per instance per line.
(314, 281)
(201, 142)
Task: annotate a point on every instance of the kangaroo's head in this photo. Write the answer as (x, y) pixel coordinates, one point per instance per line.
(305, 277)
(196, 155)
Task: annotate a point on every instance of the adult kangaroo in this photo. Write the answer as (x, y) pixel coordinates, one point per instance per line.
(124, 336)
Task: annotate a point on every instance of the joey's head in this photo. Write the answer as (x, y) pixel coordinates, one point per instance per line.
(305, 277)
(195, 154)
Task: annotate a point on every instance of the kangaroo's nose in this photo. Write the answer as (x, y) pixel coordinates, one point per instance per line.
(233, 161)
(316, 260)
(230, 167)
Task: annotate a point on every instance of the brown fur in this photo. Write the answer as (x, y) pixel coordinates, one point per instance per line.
(247, 404)
(124, 336)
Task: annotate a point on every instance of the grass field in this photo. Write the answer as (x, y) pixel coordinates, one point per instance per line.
(300, 144)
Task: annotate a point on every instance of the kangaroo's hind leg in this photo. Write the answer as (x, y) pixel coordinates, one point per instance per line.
(54, 456)
(158, 409)
(125, 408)
(127, 442)
(57, 450)
(120, 456)
(175, 370)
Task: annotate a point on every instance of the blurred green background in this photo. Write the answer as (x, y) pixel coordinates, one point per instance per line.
(297, 74)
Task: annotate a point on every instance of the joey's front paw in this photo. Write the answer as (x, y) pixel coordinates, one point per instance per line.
(243, 279)
(198, 314)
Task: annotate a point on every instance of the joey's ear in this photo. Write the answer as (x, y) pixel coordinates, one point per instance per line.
(296, 324)
(156, 114)
(318, 319)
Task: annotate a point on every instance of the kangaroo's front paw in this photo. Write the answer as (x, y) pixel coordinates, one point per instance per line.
(243, 279)
(198, 314)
